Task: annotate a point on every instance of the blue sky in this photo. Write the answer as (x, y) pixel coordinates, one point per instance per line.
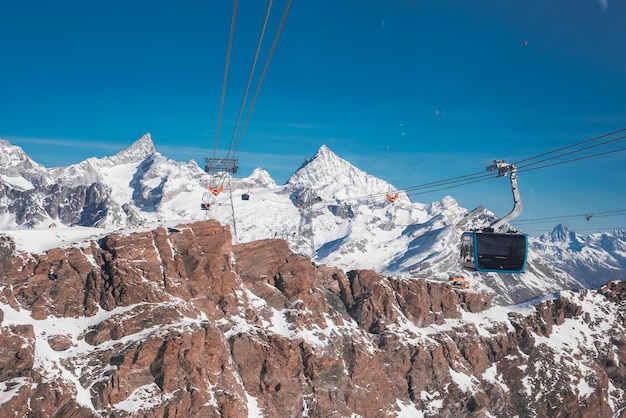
(410, 91)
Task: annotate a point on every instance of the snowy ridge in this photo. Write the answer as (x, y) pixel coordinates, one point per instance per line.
(258, 179)
(137, 152)
(19, 170)
(93, 170)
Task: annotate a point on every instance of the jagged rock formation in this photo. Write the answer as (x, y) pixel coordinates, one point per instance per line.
(75, 195)
(179, 322)
(19, 170)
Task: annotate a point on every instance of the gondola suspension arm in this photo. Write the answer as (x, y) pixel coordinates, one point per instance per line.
(504, 169)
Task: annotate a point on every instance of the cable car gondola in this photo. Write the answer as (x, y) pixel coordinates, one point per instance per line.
(491, 251)
(206, 202)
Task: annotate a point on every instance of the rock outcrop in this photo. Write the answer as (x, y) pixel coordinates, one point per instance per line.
(178, 322)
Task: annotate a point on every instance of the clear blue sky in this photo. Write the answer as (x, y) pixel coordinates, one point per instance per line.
(410, 91)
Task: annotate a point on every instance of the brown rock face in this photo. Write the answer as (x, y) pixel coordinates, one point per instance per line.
(180, 323)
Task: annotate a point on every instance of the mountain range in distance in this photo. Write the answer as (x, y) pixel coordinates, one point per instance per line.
(328, 209)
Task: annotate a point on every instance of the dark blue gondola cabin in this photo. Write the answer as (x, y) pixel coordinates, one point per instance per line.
(494, 252)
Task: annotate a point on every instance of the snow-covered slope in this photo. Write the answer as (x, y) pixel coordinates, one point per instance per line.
(328, 209)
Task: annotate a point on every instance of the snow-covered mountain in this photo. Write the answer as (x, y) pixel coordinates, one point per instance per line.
(328, 209)
(19, 170)
(595, 259)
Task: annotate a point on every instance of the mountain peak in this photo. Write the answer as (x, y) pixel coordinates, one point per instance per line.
(559, 233)
(260, 178)
(11, 155)
(16, 164)
(332, 177)
(138, 151)
(325, 152)
(563, 237)
(322, 168)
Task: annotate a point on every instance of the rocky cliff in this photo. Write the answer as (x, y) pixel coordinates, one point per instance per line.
(178, 322)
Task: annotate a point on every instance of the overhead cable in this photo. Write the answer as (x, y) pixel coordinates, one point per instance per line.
(588, 216)
(574, 159)
(482, 176)
(267, 63)
(245, 94)
(571, 152)
(570, 146)
(230, 48)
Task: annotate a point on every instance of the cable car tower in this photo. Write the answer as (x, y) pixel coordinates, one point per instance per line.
(306, 237)
(221, 168)
(489, 250)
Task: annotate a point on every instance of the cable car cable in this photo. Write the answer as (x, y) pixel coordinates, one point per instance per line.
(482, 176)
(477, 176)
(620, 228)
(230, 47)
(575, 159)
(603, 214)
(572, 152)
(460, 179)
(570, 146)
(451, 187)
(267, 63)
(245, 94)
